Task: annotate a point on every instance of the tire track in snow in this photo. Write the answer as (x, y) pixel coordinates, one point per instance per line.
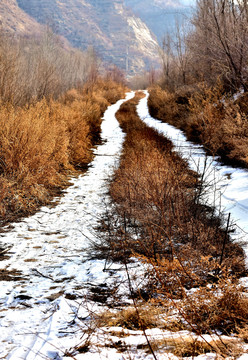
(227, 187)
(48, 248)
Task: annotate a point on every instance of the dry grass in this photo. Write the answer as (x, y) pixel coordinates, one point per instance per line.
(170, 107)
(50, 116)
(223, 308)
(190, 347)
(131, 318)
(221, 125)
(207, 116)
(194, 347)
(41, 142)
(154, 187)
(161, 222)
(182, 344)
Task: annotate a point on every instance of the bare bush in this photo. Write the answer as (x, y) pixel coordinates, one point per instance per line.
(218, 44)
(157, 218)
(51, 102)
(41, 142)
(31, 69)
(207, 116)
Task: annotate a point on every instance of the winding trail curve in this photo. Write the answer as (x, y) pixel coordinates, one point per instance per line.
(47, 252)
(226, 187)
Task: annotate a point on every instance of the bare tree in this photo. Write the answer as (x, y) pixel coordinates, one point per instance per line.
(93, 64)
(182, 52)
(167, 57)
(31, 69)
(219, 42)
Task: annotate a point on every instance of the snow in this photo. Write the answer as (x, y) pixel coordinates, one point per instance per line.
(227, 188)
(46, 314)
(50, 251)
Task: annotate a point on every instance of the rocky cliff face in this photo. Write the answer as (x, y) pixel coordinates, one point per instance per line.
(117, 35)
(160, 15)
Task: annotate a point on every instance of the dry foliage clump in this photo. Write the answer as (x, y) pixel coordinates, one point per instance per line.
(124, 322)
(154, 188)
(222, 308)
(41, 142)
(130, 318)
(51, 103)
(195, 347)
(167, 106)
(206, 116)
(161, 221)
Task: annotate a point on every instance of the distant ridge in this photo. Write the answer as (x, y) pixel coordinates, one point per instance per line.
(117, 35)
(160, 15)
(14, 20)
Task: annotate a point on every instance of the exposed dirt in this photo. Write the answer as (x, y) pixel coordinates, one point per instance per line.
(10, 275)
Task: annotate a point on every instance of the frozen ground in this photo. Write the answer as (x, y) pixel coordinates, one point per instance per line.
(45, 308)
(48, 257)
(227, 187)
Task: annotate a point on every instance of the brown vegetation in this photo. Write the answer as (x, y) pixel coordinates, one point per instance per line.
(204, 64)
(161, 222)
(224, 308)
(213, 45)
(39, 143)
(131, 318)
(154, 187)
(51, 103)
(207, 116)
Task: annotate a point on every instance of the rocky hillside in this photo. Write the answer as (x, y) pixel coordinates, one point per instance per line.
(116, 33)
(160, 15)
(15, 20)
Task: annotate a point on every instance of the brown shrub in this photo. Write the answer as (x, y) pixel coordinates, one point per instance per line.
(157, 194)
(161, 222)
(131, 318)
(195, 347)
(223, 308)
(235, 132)
(162, 104)
(154, 190)
(28, 149)
(41, 142)
(208, 117)
(171, 107)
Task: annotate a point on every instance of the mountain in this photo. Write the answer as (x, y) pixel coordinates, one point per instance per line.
(160, 15)
(123, 32)
(117, 35)
(15, 20)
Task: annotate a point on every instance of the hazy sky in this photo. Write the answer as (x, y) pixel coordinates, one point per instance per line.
(187, 2)
(175, 3)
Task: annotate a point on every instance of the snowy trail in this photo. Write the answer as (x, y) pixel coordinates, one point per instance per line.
(47, 250)
(49, 253)
(227, 186)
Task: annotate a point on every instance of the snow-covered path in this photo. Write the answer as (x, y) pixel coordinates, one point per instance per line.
(47, 251)
(49, 254)
(227, 186)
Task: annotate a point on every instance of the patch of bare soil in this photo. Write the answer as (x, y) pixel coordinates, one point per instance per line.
(10, 275)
